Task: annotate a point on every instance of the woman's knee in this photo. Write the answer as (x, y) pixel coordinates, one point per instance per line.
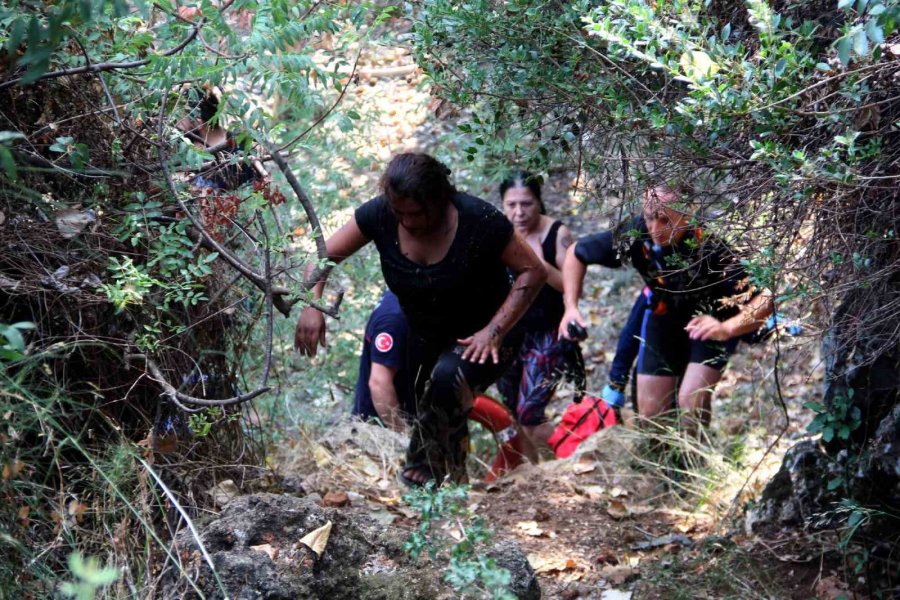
(655, 394)
(448, 380)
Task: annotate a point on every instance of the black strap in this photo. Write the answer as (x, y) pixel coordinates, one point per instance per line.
(578, 423)
(548, 246)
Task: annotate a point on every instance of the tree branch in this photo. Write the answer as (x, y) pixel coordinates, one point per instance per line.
(113, 66)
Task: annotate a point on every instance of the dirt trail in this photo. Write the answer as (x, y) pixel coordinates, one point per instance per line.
(605, 523)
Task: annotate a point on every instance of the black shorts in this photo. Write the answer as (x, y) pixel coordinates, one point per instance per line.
(666, 348)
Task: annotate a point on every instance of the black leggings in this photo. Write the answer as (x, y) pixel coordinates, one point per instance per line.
(445, 388)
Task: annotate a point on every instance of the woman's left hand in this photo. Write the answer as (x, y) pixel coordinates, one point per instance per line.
(482, 345)
(705, 328)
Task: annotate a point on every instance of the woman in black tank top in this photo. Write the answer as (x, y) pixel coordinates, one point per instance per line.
(529, 384)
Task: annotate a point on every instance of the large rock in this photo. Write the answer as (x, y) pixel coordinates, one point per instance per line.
(255, 547)
(509, 555)
(796, 493)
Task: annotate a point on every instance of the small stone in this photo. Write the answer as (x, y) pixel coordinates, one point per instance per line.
(336, 499)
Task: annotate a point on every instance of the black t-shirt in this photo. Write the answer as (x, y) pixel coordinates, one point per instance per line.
(691, 277)
(460, 294)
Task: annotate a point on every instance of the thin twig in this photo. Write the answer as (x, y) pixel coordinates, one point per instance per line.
(187, 519)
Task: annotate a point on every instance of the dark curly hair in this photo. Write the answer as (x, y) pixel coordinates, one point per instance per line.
(418, 176)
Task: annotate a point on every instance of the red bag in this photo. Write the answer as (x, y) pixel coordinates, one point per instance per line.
(579, 422)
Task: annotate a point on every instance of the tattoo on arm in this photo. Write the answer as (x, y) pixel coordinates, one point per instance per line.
(565, 239)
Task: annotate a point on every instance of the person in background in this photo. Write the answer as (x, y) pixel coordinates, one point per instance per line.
(528, 386)
(627, 348)
(445, 255)
(384, 388)
(701, 302)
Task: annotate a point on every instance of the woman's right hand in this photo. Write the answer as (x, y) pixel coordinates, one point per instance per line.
(310, 332)
(571, 314)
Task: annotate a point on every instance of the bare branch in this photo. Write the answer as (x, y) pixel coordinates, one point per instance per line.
(181, 399)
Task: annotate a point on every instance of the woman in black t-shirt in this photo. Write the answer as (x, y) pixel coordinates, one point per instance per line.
(445, 255)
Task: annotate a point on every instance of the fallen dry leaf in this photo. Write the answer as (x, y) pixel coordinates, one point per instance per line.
(224, 492)
(12, 470)
(619, 510)
(580, 468)
(530, 528)
(617, 574)
(615, 595)
(548, 566)
(24, 510)
(322, 456)
(266, 549)
(616, 509)
(317, 539)
(76, 509)
(594, 492)
(831, 588)
(618, 492)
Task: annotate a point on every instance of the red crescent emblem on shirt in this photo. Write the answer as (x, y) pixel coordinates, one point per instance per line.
(384, 342)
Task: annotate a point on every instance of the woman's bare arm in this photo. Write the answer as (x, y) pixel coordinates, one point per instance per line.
(343, 243)
(521, 259)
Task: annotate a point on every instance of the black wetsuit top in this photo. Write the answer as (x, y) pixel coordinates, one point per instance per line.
(458, 295)
(689, 278)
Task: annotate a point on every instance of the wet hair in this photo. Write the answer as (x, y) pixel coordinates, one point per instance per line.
(684, 191)
(208, 106)
(525, 180)
(419, 177)
(202, 104)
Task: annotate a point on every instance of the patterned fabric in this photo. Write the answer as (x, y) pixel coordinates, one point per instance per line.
(528, 386)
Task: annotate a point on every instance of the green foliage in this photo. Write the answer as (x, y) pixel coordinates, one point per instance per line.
(839, 420)
(470, 571)
(90, 578)
(13, 346)
(201, 423)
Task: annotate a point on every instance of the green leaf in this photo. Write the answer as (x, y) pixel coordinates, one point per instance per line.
(10, 355)
(843, 46)
(874, 31)
(780, 66)
(828, 434)
(861, 43)
(8, 163)
(835, 483)
(842, 4)
(6, 136)
(14, 339)
(815, 407)
(16, 32)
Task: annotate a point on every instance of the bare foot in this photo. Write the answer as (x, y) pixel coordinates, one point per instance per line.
(417, 476)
